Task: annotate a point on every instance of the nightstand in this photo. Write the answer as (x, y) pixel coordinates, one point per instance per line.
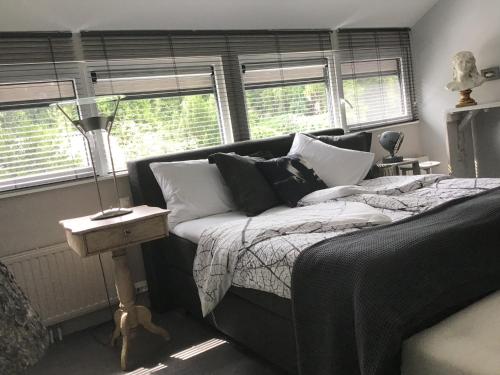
(90, 237)
(393, 169)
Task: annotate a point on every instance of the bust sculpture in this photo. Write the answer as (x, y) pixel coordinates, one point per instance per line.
(465, 77)
(465, 73)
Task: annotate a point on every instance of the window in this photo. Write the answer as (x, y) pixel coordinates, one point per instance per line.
(373, 91)
(188, 90)
(376, 81)
(166, 110)
(287, 97)
(37, 144)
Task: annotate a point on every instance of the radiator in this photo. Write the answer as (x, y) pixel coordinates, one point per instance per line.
(60, 284)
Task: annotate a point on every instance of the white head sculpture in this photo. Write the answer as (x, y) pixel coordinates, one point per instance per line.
(465, 73)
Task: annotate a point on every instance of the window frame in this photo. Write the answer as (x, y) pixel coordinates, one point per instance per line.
(298, 57)
(343, 57)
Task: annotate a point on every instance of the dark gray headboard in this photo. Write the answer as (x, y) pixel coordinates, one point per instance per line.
(145, 189)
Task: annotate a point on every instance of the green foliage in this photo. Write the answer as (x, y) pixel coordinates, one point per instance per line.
(285, 109)
(37, 141)
(156, 126)
(372, 98)
(41, 140)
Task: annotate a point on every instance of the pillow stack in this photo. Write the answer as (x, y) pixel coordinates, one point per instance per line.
(254, 184)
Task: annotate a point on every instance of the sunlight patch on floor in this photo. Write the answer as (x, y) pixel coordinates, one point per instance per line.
(147, 371)
(198, 349)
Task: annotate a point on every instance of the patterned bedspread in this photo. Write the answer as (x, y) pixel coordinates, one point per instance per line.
(259, 252)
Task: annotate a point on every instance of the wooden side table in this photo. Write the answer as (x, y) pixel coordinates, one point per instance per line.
(90, 237)
(391, 169)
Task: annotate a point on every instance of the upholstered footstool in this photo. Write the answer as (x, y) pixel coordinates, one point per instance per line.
(466, 343)
(23, 338)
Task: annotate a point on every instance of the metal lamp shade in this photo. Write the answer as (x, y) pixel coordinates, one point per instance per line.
(94, 123)
(391, 141)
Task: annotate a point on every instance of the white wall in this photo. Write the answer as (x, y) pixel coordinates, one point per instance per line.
(76, 15)
(30, 221)
(452, 26)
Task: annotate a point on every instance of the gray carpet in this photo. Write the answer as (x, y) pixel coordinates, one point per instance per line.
(88, 352)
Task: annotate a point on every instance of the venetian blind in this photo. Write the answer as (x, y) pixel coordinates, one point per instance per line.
(37, 144)
(190, 82)
(377, 76)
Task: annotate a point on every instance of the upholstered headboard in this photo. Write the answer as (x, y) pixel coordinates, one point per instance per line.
(145, 189)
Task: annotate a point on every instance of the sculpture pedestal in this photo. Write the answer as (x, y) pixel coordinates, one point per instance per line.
(465, 99)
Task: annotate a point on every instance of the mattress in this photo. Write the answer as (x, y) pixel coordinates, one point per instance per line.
(192, 229)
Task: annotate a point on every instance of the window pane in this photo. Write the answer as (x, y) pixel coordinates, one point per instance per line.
(287, 109)
(38, 143)
(156, 126)
(373, 99)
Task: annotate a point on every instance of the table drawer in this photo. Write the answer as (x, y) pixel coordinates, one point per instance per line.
(125, 235)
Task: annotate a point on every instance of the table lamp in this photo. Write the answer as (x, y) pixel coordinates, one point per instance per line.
(391, 141)
(90, 126)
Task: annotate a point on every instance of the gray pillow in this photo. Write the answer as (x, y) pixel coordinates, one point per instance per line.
(361, 141)
(251, 191)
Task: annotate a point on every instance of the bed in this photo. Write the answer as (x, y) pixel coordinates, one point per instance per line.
(263, 321)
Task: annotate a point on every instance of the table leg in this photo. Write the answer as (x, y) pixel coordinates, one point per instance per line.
(144, 319)
(416, 167)
(125, 330)
(128, 316)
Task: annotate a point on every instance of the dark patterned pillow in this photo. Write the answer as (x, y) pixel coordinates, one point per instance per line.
(291, 178)
(251, 191)
(266, 155)
(361, 141)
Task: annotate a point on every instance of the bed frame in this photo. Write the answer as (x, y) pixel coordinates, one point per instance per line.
(260, 321)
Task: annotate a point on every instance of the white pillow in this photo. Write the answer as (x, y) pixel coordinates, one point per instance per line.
(335, 166)
(192, 189)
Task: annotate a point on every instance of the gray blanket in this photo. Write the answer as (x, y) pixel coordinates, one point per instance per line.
(358, 296)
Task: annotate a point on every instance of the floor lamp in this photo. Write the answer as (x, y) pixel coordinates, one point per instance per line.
(89, 127)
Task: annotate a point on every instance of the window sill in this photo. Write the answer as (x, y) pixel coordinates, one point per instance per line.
(381, 127)
(59, 185)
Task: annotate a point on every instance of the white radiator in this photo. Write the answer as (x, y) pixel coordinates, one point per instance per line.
(60, 284)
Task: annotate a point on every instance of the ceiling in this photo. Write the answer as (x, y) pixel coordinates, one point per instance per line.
(41, 15)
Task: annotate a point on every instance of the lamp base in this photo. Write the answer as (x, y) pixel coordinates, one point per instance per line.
(392, 159)
(112, 212)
